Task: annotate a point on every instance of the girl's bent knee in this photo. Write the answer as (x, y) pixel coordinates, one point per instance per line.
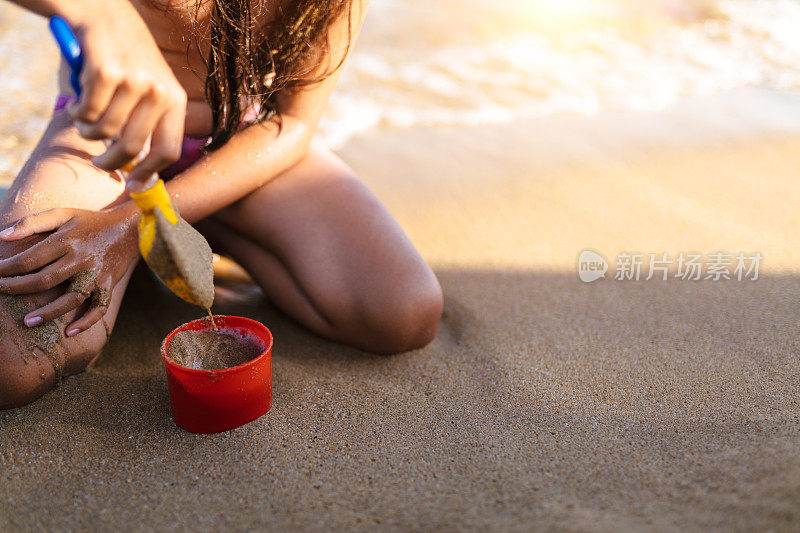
(411, 323)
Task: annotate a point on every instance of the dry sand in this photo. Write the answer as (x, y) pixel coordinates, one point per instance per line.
(543, 403)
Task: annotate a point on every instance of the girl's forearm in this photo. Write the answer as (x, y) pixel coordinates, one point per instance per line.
(250, 159)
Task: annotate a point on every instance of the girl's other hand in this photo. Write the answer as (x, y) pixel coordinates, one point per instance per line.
(91, 248)
(129, 91)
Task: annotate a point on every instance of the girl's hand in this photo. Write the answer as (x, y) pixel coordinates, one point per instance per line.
(92, 248)
(129, 90)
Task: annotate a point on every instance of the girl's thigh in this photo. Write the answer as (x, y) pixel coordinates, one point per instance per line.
(330, 254)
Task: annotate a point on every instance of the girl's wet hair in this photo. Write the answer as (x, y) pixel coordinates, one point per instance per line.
(248, 64)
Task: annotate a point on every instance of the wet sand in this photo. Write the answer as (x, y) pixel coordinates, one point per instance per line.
(212, 350)
(544, 402)
(182, 258)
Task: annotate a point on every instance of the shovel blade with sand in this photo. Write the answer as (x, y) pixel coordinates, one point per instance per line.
(171, 247)
(175, 251)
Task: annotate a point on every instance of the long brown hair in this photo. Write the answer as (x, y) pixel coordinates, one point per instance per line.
(249, 65)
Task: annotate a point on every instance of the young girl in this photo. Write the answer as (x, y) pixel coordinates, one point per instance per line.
(229, 93)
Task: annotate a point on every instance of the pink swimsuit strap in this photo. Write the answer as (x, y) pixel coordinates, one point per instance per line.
(61, 102)
(191, 149)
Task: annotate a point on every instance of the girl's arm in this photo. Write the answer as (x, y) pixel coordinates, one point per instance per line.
(130, 92)
(104, 242)
(259, 153)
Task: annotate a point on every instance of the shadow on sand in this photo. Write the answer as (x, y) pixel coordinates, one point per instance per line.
(542, 400)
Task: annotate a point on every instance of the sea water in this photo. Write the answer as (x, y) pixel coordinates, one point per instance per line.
(469, 62)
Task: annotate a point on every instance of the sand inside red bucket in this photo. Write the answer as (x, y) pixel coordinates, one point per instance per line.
(212, 350)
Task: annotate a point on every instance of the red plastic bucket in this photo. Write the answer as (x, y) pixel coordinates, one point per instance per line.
(210, 401)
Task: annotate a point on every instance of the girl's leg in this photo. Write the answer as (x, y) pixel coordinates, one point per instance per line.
(329, 254)
(58, 174)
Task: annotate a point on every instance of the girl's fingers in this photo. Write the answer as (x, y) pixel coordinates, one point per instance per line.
(98, 89)
(133, 138)
(34, 258)
(42, 222)
(165, 146)
(92, 316)
(110, 124)
(101, 299)
(56, 308)
(47, 278)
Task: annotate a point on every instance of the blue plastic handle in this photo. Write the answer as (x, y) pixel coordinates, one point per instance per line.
(70, 49)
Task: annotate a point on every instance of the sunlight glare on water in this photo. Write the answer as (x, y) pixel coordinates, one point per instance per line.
(561, 13)
(470, 62)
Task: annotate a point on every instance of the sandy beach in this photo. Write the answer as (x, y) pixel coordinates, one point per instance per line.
(544, 403)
